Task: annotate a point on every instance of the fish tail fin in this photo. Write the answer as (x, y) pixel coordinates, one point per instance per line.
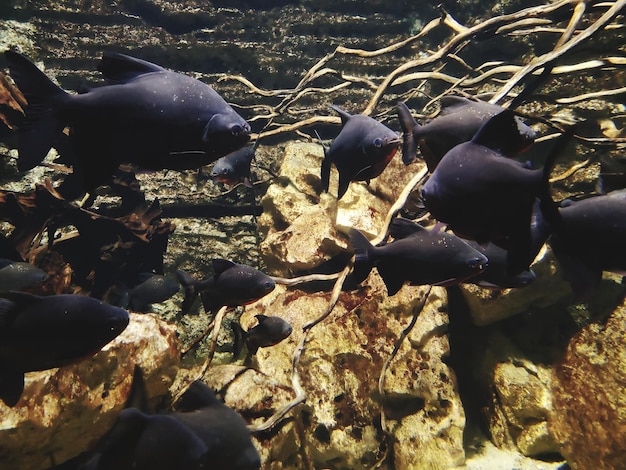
(549, 208)
(41, 127)
(363, 263)
(409, 143)
(239, 335)
(191, 293)
(325, 173)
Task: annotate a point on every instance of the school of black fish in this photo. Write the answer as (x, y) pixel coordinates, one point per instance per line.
(493, 214)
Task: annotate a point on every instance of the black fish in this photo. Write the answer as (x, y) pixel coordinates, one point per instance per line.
(269, 331)
(588, 238)
(150, 116)
(151, 289)
(484, 196)
(39, 333)
(18, 275)
(235, 167)
(139, 441)
(231, 285)
(417, 256)
(459, 120)
(222, 430)
(360, 152)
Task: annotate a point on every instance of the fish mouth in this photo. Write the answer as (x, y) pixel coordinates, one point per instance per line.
(478, 263)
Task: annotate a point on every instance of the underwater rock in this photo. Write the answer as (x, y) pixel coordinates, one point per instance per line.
(67, 410)
(589, 396)
(490, 305)
(302, 227)
(338, 425)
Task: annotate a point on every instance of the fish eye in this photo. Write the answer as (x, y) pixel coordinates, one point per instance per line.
(378, 142)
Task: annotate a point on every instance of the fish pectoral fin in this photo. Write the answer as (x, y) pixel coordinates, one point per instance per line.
(11, 385)
(123, 68)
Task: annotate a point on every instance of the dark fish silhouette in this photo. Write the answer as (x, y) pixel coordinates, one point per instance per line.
(139, 441)
(231, 285)
(417, 256)
(39, 333)
(151, 289)
(269, 331)
(150, 116)
(497, 274)
(18, 275)
(588, 238)
(235, 167)
(612, 174)
(484, 196)
(459, 120)
(360, 152)
(221, 428)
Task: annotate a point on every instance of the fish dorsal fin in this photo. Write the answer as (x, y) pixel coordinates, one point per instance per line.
(402, 228)
(197, 396)
(345, 116)
(496, 131)
(21, 299)
(123, 68)
(261, 318)
(451, 104)
(5, 262)
(220, 265)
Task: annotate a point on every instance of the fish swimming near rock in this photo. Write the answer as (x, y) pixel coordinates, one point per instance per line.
(18, 275)
(269, 332)
(231, 285)
(39, 333)
(361, 151)
(483, 196)
(459, 120)
(234, 168)
(588, 238)
(148, 116)
(417, 256)
(151, 289)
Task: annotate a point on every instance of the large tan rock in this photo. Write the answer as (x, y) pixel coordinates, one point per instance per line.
(64, 411)
(589, 396)
(339, 369)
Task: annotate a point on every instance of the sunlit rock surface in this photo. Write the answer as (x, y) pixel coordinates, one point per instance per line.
(339, 424)
(65, 411)
(590, 396)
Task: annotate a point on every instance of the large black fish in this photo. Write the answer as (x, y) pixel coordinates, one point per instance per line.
(221, 428)
(39, 333)
(232, 284)
(150, 116)
(417, 256)
(151, 289)
(484, 196)
(18, 275)
(588, 238)
(361, 151)
(459, 120)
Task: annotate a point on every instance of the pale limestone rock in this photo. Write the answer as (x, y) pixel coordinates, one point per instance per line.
(491, 305)
(339, 370)
(303, 227)
(65, 411)
(589, 396)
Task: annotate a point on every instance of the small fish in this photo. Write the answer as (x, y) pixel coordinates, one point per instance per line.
(18, 275)
(231, 285)
(221, 428)
(268, 332)
(234, 168)
(152, 289)
(39, 333)
(417, 256)
(459, 120)
(361, 151)
(148, 116)
(484, 196)
(588, 238)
